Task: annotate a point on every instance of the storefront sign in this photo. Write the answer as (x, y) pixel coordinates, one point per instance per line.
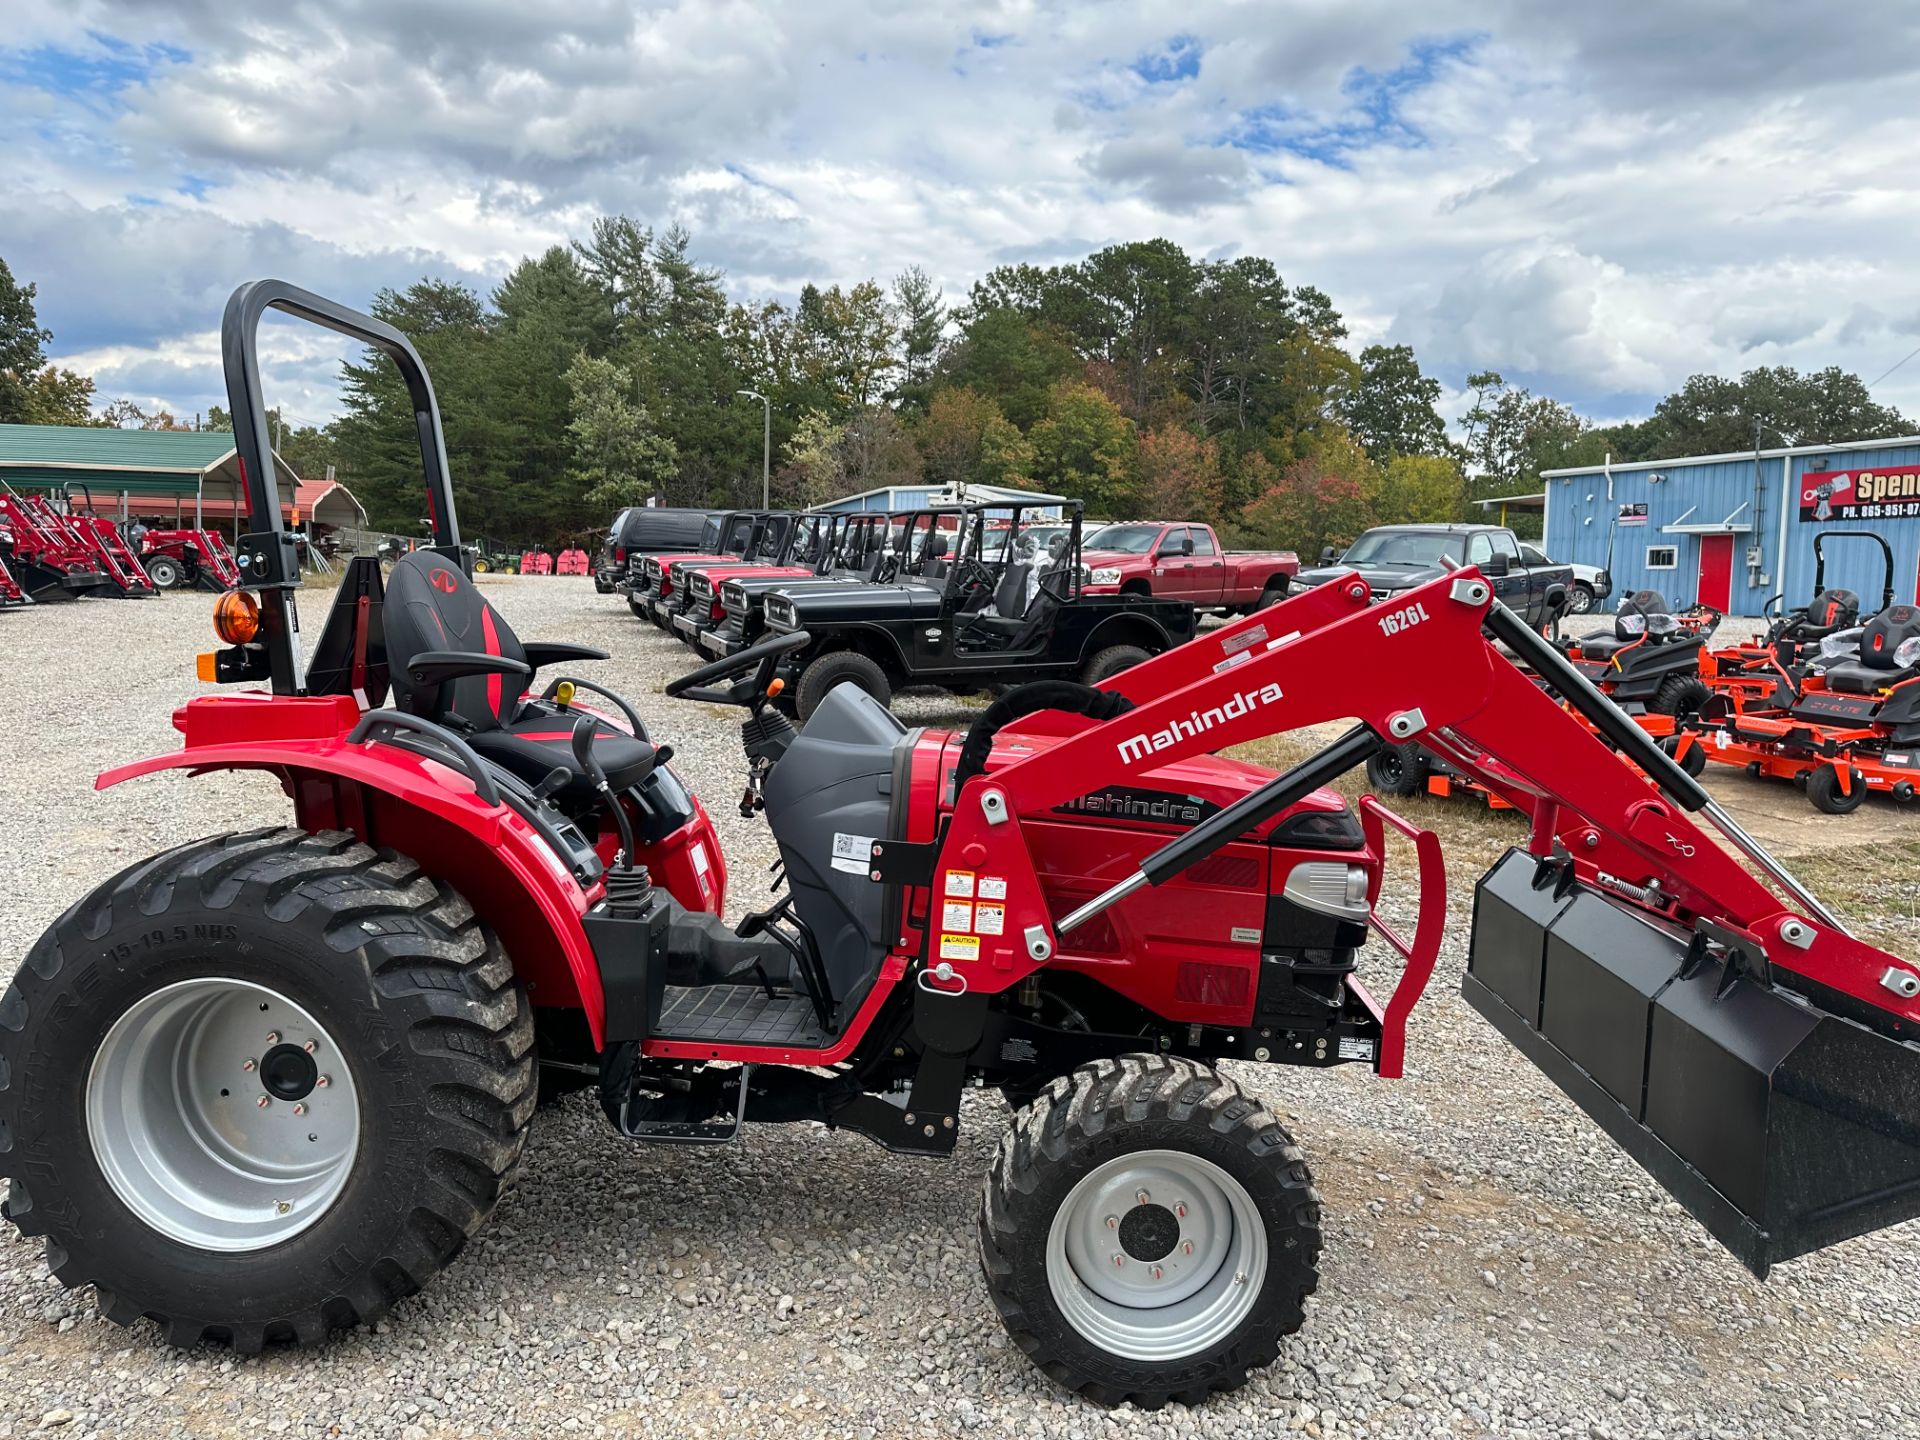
(1860, 495)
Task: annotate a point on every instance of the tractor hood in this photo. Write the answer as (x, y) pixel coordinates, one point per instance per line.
(829, 602)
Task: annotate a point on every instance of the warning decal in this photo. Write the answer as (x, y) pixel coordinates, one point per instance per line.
(990, 919)
(960, 882)
(956, 915)
(992, 887)
(959, 947)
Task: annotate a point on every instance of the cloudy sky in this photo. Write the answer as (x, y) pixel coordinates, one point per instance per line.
(1597, 200)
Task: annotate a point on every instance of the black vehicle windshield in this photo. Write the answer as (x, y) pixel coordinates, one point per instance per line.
(1127, 539)
(1403, 547)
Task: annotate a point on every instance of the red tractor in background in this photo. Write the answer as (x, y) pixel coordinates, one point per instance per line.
(258, 1087)
(199, 558)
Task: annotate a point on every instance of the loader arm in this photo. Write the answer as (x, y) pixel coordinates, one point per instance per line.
(1753, 1057)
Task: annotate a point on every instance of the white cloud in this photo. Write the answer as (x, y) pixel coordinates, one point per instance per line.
(1602, 199)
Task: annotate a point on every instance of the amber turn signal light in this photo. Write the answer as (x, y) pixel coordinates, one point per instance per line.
(206, 665)
(236, 617)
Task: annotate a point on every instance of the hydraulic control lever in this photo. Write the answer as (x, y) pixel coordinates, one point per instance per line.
(583, 731)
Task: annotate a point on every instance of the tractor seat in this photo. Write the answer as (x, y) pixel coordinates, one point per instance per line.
(1831, 610)
(1605, 647)
(431, 606)
(1879, 666)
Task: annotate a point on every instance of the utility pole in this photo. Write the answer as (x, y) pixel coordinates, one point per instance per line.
(766, 446)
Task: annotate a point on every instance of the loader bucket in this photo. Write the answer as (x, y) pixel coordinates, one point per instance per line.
(1780, 1125)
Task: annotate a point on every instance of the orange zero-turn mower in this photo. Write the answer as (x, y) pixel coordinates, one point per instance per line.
(260, 1086)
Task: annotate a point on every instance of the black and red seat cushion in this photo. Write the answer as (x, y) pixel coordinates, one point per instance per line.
(1880, 640)
(431, 605)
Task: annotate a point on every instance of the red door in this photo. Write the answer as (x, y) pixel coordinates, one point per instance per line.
(1716, 572)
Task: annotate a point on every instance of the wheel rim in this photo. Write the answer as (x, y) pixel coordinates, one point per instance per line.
(1393, 768)
(176, 1117)
(1580, 602)
(1162, 1278)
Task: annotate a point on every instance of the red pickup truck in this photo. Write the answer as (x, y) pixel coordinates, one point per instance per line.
(1182, 560)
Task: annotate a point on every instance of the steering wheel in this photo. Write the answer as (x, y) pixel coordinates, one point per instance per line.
(697, 684)
(975, 573)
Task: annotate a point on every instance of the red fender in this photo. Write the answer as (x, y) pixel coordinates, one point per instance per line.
(425, 810)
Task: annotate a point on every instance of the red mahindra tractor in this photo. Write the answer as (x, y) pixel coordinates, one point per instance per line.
(198, 558)
(265, 1084)
(11, 595)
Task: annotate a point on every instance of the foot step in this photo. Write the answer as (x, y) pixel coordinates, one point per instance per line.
(689, 1132)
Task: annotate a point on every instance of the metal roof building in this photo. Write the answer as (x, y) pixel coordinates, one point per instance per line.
(155, 473)
(1734, 530)
(915, 497)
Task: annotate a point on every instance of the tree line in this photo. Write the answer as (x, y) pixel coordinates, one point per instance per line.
(1141, 380)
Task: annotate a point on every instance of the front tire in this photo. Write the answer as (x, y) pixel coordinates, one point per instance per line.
(1149, 1232)
(1580, 599)
(262, 1086)
(1823, 789)
(165, 572)
(830, 669)
(1111, 661)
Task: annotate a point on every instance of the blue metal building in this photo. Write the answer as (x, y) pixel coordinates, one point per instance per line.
(894, 498)
(1735, 530)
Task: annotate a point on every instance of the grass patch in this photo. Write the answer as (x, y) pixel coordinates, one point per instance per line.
(1878, 899)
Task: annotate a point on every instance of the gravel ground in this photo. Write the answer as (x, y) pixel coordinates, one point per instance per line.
(1493, 1265)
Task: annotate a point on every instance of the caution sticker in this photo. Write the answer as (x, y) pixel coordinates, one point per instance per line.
(990, 919)
(960, 882)
(959, 947)
(993, 887)
(956, 915)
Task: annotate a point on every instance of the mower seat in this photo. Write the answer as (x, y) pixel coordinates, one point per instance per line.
(1878, 667)
(1605, 647)
(1831, 610)
(431, 607)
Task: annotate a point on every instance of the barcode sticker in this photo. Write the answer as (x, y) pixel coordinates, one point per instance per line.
(852, 854)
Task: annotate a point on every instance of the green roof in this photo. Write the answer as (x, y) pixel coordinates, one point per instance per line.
(102, 447)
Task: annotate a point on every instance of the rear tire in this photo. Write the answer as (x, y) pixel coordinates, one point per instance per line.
(156, 1164)
(1823, 789)
(1580, 598)
(165, 572)
(1680, 695)
(1399, 769)
(830, 669)
(1219, 1258)
(1275, 592)
(1111, 661)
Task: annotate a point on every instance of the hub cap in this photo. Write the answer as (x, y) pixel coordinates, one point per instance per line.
(1156, 1255)
(222, 1114)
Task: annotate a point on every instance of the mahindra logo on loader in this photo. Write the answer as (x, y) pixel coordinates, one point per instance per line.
(1138, 747)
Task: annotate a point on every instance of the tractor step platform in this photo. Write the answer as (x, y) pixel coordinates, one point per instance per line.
(691, 1132)
(739, 1015)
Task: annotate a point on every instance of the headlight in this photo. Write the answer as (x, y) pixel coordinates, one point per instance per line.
(702, 588)
(1330, 888)
(1107, 575)
(732, 596)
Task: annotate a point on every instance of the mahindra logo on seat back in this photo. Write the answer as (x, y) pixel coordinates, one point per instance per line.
(443, 581)
(1138, 747)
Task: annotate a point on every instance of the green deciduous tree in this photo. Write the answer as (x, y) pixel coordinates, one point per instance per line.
(1391, 407)
(1326, 497)
(965, 440)
(23, 348)
(1085, 448)
(1416, 489)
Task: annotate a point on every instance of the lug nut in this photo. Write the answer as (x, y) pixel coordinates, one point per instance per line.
(311, 1046)
(282, 1207)
(273, 1037)
(1156, 1272)
(1142, 1197)
(1186, 1247)
(262, 1102)
(299, 1109)
(247, 1065)
(1119, 1261)
(1180, 1209)
(1113, 1222)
